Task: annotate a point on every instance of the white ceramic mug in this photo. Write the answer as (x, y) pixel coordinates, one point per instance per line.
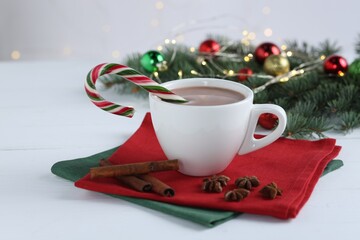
(205, 139)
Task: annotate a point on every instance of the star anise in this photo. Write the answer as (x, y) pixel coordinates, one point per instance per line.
(237, 194)
(215, 183)
(247, 182)
(270, 191)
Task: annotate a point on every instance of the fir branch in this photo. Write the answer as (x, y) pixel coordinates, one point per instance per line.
(296, 126)
(308, 109)
(296, 86)
(299, 126)
(348, 121)
(306, 52)
(327, 48)
(255, 81)
(314, 101)
(318, 125)
(302, 51)
(284, 102)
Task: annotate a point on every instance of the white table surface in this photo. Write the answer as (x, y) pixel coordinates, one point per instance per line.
(45, 117)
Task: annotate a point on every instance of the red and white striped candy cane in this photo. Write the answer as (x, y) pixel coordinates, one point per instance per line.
(130, 75)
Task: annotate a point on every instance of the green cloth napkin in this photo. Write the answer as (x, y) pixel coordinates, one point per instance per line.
(75, 169)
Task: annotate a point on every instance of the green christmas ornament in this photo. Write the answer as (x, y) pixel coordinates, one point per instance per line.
(354, 67)
(153, 61)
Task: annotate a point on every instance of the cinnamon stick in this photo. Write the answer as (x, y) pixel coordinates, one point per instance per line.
(158, 186)
(131, 181)
(133, 169)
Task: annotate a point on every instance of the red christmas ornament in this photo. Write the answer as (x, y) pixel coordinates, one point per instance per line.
(209, 46)
(244, 73)
(336, 65)
(268, 120)
(264, 50)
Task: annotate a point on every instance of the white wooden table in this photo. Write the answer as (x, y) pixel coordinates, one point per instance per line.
(45, 117)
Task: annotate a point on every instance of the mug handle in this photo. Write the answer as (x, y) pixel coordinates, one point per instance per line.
(250, 143)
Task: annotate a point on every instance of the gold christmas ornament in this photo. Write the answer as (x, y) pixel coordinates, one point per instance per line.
(276, 65)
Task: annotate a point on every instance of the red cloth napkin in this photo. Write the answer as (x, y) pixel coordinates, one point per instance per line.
(295, 165)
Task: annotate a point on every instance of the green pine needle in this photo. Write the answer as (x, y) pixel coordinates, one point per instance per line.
(349, 120)
(315, 102)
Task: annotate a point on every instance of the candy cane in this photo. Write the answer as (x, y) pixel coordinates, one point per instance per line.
(130, 75)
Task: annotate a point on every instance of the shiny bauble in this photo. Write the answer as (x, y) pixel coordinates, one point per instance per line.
(244, 73)
(153, 61)
(264, 50)
(336, 64)
(209, 47)
(268, 120)
(276, 65)
(354, 67)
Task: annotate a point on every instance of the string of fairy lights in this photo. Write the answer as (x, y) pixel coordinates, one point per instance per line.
(274, 60)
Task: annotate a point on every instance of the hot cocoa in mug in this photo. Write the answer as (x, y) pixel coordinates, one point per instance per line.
(208, 96)
(217, 122)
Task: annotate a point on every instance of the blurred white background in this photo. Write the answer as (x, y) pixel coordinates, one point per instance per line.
(108, 30)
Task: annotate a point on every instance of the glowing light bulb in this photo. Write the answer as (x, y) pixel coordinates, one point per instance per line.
(289, 53)
(283, 47)
(160, 48)
(245, 42)
(180, 73)
(15, 55)
(159, 5)
(284, 79)
(268, 32)
(167, 41)
(251, 36)
(192, 49)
